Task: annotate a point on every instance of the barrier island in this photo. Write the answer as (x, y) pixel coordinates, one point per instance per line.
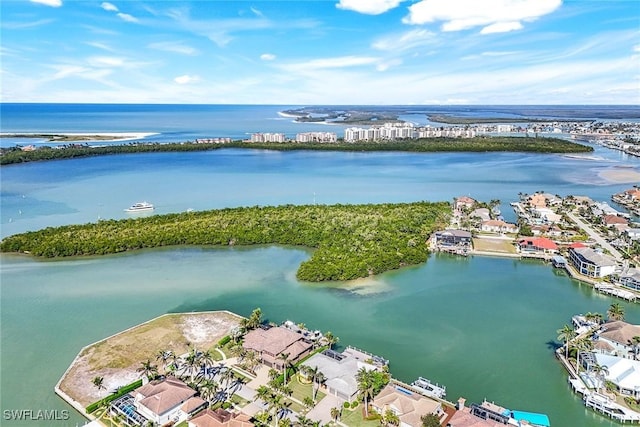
(349, 241)
(425, 145)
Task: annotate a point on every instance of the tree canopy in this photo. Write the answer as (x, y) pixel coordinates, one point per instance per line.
(350, 241)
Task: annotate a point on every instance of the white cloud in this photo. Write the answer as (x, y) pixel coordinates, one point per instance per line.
(636, 48)
(175, 47)
(493, 15)
(405, 41)
(501, 27)
(369, 7)
(186, 79)
(337, 62)
(127, 17)
(109, 7)
(52, 3)
(105, 61)
(256, 12)
(267, 57)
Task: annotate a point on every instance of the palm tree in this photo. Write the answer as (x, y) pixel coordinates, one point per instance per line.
(304, 421)
(165, 356)
(192, 361)
(208, 389)
(262, 393)
(366, 387)
(593, 317)
(430, 420)
(331, 339)
(98, 382)
(335, 414)
(615, 312)
(307, 402)
(255, 319)
(566, 334)
(601, 372)
(286, 363)
(316, 376)
(147, 369)
(390, 418)
(262, 418)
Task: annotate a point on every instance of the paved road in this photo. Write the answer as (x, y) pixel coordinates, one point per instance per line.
(595, 236)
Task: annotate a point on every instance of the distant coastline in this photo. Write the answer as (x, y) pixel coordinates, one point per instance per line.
(16, 155)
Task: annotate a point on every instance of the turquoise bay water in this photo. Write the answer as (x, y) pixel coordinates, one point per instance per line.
(485, 327)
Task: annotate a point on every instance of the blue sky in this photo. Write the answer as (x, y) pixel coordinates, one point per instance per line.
(321, 52)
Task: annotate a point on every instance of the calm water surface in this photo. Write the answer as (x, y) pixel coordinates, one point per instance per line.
(485, 327)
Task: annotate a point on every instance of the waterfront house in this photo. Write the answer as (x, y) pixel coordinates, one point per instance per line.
(409, 406)
(624, 373)
(451, 237)
(537, 245)
(165, 401)
(270, 343)
(614, 220)
(591, 263)
(546, 215)
(339, 370)
(220, 418)
(498, 226)
(630, 279)
(464, 202)
(619, 335)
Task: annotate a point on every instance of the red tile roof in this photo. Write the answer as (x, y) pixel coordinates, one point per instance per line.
(538, 242)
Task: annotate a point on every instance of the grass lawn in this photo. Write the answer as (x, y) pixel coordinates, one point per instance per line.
(353, 418)
(302, 390)
(494, 245)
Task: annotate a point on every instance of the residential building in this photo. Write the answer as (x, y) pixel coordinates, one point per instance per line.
(633, 233)
(339, 370)
(408, 405)
(268, 137)
(498, 226)
(537, 245)
(464, 202)
(165, 401)
(271, 343)
(317, 137)
(451, 237)
(624, 373)
(619, 337)
(614, 220)
(220, 418)
(590, 263)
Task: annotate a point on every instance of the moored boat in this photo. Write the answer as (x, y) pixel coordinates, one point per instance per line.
(140, 207)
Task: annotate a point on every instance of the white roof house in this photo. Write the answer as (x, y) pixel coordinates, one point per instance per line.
(624, 373)
(340, 371)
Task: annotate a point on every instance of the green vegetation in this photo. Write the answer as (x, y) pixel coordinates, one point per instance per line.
(121, 392)
(478, 144)
(351, 241)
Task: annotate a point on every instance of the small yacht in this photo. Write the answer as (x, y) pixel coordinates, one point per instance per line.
(140, 207)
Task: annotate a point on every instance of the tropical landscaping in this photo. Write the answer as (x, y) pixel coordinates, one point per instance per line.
(350, 241)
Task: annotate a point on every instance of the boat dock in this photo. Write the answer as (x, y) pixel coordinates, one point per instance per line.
(425, 386)
(615, 291)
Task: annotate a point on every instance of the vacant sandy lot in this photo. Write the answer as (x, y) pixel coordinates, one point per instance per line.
(117, 358)
(494, 245)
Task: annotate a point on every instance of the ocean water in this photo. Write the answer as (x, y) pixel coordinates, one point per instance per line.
(484, 327)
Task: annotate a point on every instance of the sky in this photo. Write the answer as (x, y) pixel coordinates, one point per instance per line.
(304, 52)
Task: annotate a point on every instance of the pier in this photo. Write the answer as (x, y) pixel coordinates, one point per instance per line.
(615, 291)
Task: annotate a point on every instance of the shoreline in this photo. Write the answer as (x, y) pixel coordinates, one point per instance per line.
(80, 136)
(618, 175)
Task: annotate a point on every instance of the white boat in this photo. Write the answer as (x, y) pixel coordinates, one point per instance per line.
(140, 207)
(427, 387)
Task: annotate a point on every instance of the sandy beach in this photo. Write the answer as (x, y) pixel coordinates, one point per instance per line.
(84, 136)
(620, 175)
